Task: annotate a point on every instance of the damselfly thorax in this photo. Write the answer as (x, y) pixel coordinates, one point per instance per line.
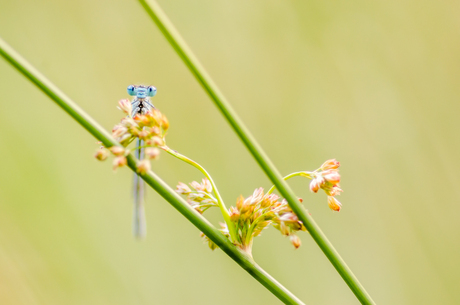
(141, 106)
(141, 103)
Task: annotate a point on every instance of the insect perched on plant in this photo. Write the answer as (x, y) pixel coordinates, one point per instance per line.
(148, 127)
(140, 105)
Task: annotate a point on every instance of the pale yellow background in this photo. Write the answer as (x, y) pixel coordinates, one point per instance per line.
(374, 84)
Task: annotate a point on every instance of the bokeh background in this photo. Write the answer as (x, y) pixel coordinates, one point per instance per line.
(373, 84)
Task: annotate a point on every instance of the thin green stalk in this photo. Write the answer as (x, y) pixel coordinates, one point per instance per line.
(191, 61)
(241, 258)
(220, 201)
(303, 174)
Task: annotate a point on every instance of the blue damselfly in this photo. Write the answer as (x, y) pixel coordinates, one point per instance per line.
(140, 105)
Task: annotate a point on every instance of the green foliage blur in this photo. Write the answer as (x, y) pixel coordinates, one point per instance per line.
(372, 84)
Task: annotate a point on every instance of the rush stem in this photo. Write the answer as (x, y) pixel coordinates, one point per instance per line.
(302, 174)
(220, 201)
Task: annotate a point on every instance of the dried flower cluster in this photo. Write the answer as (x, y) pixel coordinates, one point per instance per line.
(327, 177)
(149, 128)
(250, 216)
(199, 196)
(255, 213)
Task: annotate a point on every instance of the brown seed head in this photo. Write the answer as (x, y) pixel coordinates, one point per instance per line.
(256, 215)
(143, 134)
(207, 185)
(295, 241)
(119, 131)
(257, 195)
(289, 218)
(155, 116)
(152, 152)
(144, 120)
(234, 214)
(333, 203)
(272, 199)
(183, 188)
(164, 122)
(155, 130)
(331, 176)
(124, 139)
(314, 185)
(101, 154)
(157, 141)
(143, 166)
(284, 229)
(330, 164)
(336, 190)
(196, 186)
(128, 123)
(239, 203)
(119, 162)
(117, 150)
(125, 106)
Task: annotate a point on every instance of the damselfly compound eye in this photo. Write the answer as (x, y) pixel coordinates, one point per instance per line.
(131, 90)
(151, 91)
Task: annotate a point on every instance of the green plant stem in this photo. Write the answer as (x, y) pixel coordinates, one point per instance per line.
(220, 201)
(192, 62)
(241, 258)
(302, 174)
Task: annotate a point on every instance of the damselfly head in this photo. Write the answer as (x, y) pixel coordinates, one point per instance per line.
(142, 91)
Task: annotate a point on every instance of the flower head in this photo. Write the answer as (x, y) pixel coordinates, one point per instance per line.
(117, 150)
(101, 154)
(333, 203)
(327, 177)
(295, 240)
(199, 195)
(119, 162)
(183, 188)
(330, 164)
(125, 106)
(250, 216)
(143, 166)
(234, 214)
(148, 126)
(152, 152)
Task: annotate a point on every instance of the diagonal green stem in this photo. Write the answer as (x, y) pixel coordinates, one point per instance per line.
(191, 61)
(241, 258)
(220, 201)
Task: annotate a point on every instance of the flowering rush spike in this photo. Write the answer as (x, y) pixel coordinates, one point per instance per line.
(327, 177)
(250, 216)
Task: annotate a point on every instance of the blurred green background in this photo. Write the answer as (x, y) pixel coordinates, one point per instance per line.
(373, 84)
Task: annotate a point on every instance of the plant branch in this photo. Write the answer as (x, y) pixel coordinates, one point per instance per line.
(192, 62)
(220, 201)
(241, 258)
(302, 174)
